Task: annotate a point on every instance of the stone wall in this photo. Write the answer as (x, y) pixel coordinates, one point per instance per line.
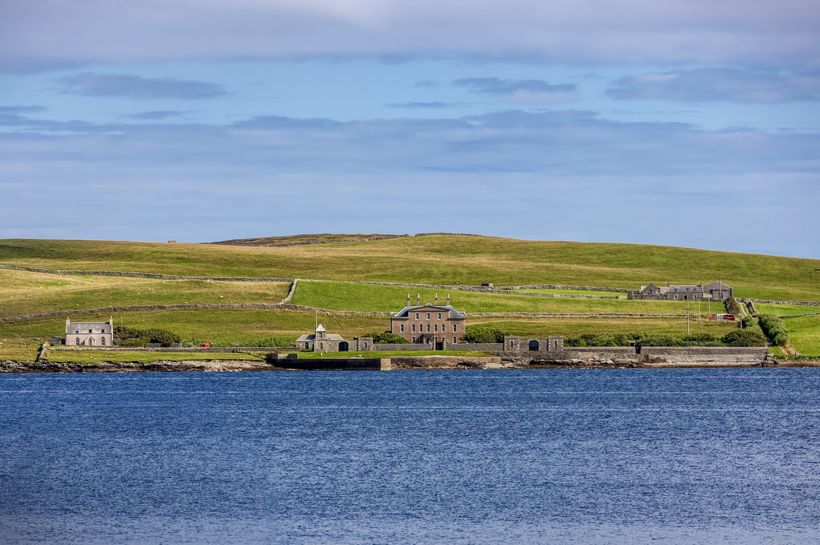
(484, 347)
(401, 347)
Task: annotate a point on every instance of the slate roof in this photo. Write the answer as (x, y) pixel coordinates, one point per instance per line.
(453, 314)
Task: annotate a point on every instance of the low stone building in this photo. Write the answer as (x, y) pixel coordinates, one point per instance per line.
(554, 343)
(429, 324)
(321, 341)
(716, 291)
(89, 333)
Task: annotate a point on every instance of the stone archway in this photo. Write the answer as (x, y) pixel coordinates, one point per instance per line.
(344, 346)
(534, 346)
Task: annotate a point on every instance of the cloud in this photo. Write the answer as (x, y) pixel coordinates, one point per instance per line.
(154, 115)
(421, 105)
(550, 174)
(128, 86)
(772, 32)
(531, 92)
(719, 85)
(22, 109)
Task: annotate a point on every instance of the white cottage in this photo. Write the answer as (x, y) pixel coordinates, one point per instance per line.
(89, 333)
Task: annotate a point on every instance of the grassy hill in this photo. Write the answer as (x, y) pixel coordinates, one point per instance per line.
(338, 262)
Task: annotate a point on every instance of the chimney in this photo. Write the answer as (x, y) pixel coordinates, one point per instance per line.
(418, 299)
(448, 299)
(407, 301)
(436, 299)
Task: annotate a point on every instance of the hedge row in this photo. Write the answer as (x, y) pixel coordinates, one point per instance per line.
(774, 329)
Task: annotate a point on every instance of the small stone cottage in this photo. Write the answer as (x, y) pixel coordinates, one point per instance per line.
(89, 333)
(321, 341)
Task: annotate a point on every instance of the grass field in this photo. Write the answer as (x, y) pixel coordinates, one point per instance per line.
(27, 293)
(439, 259)
(434, 259)
(347, 296)
(555, 291)
(804, 334)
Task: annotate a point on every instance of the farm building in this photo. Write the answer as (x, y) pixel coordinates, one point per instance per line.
(716, 291)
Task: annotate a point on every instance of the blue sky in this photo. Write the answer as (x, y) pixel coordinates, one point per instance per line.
(687, 123)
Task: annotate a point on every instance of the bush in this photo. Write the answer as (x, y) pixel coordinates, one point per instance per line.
(386, 337)
(642, 339)
(774, 329)
(744, 337)
(132, 343)
(146, 336)
(279, 342)
(483, 335)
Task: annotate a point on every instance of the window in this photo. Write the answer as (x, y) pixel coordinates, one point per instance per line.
(439, 315)
(102, 341)
(428, 315)
(455, 328)
(77, 341)
(413, 328)
(454, 340)
(417, 316)
(435, 328)
(428, 328)
(90, 331)
(401, 328)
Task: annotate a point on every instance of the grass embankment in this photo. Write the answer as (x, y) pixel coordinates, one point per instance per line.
(804, 335)
(362, 297)
(23, 292)
(439, 259)
(81, 356)
(555, 291)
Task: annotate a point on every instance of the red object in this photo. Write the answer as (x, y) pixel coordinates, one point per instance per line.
(729, 317)
(204, 345)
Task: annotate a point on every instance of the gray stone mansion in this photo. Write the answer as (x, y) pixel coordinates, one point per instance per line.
(716, 291)
(430, 323)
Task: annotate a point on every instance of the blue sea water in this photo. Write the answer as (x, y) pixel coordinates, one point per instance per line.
(464, 457)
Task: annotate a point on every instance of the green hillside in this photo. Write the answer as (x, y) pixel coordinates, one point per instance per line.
(337, 262)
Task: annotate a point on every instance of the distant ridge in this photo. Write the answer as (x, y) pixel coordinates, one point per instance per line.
(301, 240)
(327, 238)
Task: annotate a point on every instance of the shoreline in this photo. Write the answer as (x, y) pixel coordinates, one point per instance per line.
(387, 364)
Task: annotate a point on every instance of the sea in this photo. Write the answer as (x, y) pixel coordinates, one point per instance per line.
(621, 456)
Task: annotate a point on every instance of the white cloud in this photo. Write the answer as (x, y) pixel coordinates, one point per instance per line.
(44, 34)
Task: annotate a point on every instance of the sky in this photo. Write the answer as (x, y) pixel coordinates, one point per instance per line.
(676, 122)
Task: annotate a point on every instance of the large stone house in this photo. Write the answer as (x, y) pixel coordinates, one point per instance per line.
(430, 323)
(322, 341)
(716, 291)
(89, 333)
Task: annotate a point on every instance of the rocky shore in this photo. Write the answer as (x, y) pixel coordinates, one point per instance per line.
(388, 364)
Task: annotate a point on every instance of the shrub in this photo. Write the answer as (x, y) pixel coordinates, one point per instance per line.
(744, 337)
(132, 343)
(643, 339)
(279, 342)
(774, 329)
(483, 335)
(386, 337)
(146, 336)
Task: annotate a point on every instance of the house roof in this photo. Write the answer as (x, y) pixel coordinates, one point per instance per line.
(72, 326)
(327, 337)
(453, 314)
